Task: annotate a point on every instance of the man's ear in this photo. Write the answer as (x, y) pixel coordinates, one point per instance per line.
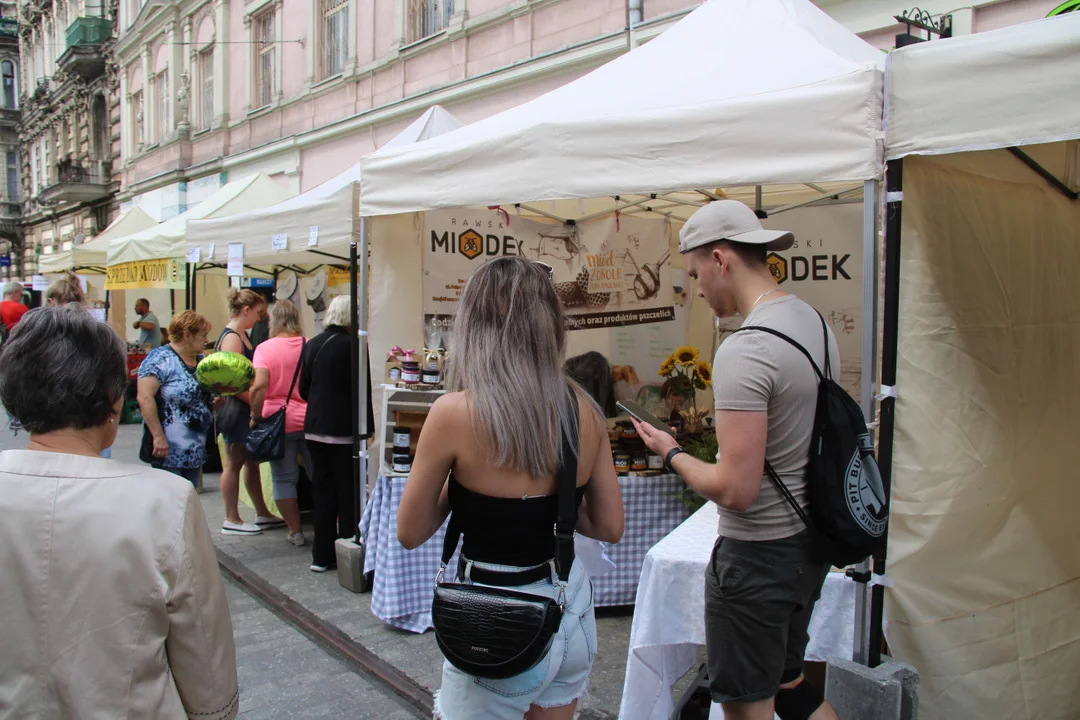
(720, 256)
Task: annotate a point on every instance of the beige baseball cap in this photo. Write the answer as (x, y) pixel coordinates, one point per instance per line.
(730, 220)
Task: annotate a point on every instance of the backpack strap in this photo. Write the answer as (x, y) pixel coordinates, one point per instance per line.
(798, 346)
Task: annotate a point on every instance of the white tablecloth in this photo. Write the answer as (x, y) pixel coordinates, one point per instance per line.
(669, 618)
(405, 579)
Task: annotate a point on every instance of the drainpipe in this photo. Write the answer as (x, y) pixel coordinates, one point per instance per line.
(633, 17)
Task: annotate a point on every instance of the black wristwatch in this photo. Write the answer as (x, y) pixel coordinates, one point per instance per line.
(671, 454)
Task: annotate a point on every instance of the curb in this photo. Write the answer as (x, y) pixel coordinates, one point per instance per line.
(328, 635)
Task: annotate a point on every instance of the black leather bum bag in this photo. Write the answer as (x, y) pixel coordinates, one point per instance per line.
(498, 632)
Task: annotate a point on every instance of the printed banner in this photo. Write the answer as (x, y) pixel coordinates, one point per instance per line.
(167, 273)
(607, 273)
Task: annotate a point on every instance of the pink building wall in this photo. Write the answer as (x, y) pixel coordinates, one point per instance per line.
(483, 43)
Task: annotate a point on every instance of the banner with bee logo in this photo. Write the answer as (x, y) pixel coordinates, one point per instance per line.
(607, 272)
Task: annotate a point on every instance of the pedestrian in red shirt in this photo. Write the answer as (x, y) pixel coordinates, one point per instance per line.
(11, 308)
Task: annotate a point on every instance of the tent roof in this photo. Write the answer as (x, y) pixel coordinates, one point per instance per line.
(330, 207)
(1008, 87)
(739, 92)
(92, 253)
(167, 239)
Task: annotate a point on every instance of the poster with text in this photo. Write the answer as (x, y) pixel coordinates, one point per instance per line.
(607, 273)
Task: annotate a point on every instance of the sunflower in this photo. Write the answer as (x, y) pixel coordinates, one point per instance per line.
(685, 355)
(704, 371)
(667, 367)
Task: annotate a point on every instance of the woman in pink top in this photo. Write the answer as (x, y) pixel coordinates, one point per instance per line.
(276, 362)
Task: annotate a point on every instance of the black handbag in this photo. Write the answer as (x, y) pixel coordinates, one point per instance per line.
(494, 632)
(266, 441)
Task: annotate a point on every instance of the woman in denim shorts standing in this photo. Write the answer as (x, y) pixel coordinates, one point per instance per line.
(499, 431)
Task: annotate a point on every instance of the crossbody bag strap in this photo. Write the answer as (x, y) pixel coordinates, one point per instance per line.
(315, 362)
(786, 493)
(793, 343)
(296, 373)
(566, 520)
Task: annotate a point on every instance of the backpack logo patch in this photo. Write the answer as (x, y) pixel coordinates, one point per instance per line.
(864, 492)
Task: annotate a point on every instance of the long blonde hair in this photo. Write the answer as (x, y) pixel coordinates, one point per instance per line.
(507, 351)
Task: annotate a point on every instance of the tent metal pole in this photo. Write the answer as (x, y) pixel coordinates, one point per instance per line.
(890, 320)
(757, 200)
(536, 211)
(354, 347)
(187, 284)
(861, 647)
(826, 196)
(617, 208)
(194, 285)
(360, 287)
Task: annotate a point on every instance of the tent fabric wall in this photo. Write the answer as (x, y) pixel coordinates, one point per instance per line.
(803, 106)
(168, 239)
(1014, 86)
(982, 541)
(93, 253)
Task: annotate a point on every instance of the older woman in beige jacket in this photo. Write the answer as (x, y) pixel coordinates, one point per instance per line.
(111, 603)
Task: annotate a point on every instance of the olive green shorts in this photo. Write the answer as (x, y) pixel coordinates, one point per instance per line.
(758, 600)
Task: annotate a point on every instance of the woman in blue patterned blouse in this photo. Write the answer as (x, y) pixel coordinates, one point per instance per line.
(175, 408)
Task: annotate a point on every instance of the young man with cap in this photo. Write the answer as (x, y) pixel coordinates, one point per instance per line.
(764, 576)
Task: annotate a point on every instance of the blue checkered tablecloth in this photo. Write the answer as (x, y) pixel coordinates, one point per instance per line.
(405, 579)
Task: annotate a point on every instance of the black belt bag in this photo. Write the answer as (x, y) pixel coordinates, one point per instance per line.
(497, 632)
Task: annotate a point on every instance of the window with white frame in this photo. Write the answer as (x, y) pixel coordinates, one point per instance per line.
(206, 87)
(161, 90)
(335, 36)
(11, 160)
(265, 59)
(11, 86)
(428, 17)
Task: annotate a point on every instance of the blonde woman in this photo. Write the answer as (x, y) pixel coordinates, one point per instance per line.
(246, 307)
(277, 362)
(500, 432)
(64, 290)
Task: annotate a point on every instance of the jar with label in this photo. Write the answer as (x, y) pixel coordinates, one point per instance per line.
(637, 463)
(654, 461)
(410, 372)
(394, 373)
(622, 463)
(401, 462)
(430, 376)
(629, 432)
(402, 437)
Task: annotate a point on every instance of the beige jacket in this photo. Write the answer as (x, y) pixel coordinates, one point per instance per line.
(111, 602)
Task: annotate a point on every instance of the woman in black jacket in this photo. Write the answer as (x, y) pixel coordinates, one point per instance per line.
(328, 429)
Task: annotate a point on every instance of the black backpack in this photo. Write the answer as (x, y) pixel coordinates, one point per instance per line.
(848, 510)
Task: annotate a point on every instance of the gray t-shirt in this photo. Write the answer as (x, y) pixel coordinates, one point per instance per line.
(150, 337)
(755, 371)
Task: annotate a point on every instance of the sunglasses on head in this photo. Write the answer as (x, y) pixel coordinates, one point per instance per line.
(546, 268)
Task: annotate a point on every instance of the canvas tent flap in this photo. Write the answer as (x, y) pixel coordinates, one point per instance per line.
(328, 210)
(739, 92)
(1007, 87)
(982, 535)
(168, 239)
(92, 254)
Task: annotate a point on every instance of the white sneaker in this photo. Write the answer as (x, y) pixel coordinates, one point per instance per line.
(297, 538)
(231, 528)
(319, 568)
(269, 521)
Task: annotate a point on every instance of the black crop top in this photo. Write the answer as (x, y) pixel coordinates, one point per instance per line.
(507, 531)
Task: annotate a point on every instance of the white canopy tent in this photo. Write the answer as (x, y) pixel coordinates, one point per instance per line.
(980, 343)
(91, 255)
(168, 239)
(332, 208)
(741, 92)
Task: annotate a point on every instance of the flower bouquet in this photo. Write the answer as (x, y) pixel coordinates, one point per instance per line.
(686, 373)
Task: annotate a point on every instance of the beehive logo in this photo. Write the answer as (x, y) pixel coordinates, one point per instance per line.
(777, 266)
(470, 244)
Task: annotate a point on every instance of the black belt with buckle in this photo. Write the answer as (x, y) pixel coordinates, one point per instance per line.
(504, 578)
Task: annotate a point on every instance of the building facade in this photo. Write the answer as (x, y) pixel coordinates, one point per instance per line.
(213, 90)
(11, 244)
(69, 103)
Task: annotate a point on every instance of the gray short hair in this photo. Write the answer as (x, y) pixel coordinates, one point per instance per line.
(339, 313)
(62, 369)
(285, 318)
(10, 287)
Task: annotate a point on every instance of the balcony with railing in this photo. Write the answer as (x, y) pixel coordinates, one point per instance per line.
(75, 183)
(86, 38)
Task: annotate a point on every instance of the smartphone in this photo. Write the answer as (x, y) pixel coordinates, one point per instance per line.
(643, 415)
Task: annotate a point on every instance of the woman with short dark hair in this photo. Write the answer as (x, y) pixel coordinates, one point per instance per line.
(112, 563)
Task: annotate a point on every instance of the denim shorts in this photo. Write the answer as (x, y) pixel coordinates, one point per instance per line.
(238, 432)
(285, 472)
(558, 679)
